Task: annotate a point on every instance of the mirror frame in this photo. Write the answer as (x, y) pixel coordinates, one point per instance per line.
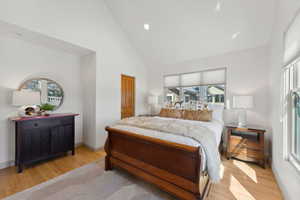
(47, 79)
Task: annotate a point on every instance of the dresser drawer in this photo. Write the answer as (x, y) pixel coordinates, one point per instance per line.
(34, 124)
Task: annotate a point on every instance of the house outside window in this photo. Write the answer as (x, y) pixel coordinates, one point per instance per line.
(191, 90)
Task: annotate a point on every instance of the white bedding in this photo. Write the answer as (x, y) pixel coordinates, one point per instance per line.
(215, 126)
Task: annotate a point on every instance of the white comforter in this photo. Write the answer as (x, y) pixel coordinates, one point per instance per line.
(216, 127)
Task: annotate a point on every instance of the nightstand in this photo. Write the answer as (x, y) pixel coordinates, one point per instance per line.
(246, 143)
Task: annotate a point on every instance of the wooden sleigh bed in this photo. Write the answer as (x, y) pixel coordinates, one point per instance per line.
(173, 167)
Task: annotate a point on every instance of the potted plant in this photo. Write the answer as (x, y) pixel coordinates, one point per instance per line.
(46, 107)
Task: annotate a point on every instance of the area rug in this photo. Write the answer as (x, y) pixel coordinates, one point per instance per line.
(92, 182)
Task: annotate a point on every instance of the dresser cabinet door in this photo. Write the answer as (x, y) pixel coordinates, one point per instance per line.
(62, 139)
(36, 144)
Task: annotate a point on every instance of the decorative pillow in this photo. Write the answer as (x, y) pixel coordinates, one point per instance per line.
(189, 114)
(164, 112)
(175, 113)
(171, 113)
(203, 115)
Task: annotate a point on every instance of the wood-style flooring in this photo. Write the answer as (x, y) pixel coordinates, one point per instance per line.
(241, 181)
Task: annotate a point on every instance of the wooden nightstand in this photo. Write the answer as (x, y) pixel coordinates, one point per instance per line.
(246, 144)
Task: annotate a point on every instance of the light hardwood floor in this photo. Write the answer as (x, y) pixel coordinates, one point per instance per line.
(241, 181)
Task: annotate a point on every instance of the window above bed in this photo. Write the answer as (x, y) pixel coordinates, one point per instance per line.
(194, 89)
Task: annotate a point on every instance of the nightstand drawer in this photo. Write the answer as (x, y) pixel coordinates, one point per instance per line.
(253, 145)
(247, 154)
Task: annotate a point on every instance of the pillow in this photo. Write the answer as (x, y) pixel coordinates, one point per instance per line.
(203, 115)
(172, 113)
(164, 112)
(217, 111)
(198, 115)
(175, 113)
(188, 114)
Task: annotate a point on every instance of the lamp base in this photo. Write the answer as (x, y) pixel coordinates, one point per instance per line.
(242, 118)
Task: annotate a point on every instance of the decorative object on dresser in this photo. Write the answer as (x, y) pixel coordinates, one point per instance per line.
(246, 144)
(40, 138)
(242, 103)
(45, 108)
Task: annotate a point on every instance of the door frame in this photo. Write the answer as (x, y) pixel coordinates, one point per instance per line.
(134, 96)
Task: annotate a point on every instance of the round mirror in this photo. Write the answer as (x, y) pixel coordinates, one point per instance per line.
(51, 92)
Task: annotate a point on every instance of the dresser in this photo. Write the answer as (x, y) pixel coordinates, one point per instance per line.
(41, 138)
(246, 143)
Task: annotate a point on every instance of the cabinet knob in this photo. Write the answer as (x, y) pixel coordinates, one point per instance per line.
(35, 125)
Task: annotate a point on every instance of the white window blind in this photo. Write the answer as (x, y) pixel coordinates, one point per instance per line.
(292, 41)
(191, 79)
(197, 78)
(172, 81)
(213, 77)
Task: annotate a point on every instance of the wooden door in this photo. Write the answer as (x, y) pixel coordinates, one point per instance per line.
(128, 96)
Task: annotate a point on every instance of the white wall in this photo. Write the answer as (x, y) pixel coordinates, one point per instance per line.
(87, 24)
(288, 178)
(88, 77)
(19, 61)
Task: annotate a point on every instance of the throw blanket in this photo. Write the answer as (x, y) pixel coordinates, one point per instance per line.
(197, 132)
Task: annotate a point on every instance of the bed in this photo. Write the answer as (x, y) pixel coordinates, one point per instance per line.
(175, 164)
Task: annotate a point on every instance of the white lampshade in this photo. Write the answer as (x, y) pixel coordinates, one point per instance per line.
(153, 100)
(243, 102)
(25, 97)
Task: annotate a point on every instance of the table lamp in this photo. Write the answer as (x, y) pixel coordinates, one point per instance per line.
(242, 103)
(24, 99)
(152, 101)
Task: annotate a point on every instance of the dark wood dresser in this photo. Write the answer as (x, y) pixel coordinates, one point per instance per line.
(43, 137)
(246, 143)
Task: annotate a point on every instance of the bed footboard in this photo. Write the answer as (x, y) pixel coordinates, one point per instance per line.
(173, 167)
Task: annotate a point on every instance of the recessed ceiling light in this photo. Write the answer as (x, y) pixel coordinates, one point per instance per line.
(218, 6)
(147, 27)
(235, 35)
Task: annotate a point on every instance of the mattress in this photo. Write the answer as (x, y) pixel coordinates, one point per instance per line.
(215, 126)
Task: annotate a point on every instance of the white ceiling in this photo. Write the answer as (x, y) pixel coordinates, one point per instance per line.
(183, 30)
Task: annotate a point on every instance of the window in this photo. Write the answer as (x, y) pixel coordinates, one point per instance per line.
(192, 89)
(291, 110)
(291, 93)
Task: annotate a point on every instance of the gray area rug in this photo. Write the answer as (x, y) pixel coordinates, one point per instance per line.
(92, 182)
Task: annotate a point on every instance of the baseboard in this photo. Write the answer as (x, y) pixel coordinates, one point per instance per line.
(79, 144)
(279, 182)
(94, 149)
(7, 164)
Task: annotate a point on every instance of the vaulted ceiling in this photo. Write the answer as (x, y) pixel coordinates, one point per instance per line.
(183, 30)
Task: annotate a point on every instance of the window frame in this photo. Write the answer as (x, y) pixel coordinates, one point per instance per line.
(287, 109)
(165, 88)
